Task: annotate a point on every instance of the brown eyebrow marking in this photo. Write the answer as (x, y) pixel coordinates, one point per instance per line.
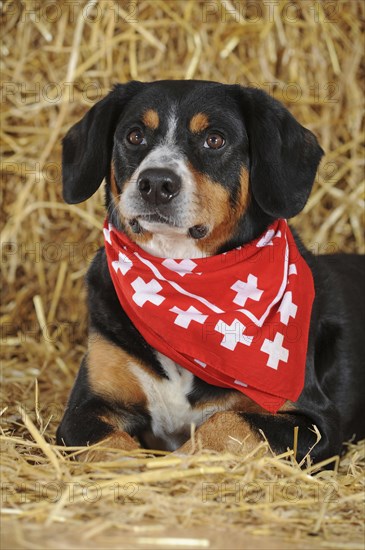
(198, 123)
(151, 119)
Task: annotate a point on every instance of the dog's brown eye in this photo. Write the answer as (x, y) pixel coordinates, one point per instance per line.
(214, 141)
(136, 137)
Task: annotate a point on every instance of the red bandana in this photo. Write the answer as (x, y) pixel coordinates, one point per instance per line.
(236, 320)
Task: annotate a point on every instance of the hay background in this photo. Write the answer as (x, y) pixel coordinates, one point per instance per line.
(55, 64)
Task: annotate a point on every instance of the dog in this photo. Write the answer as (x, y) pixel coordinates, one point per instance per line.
(195, 170)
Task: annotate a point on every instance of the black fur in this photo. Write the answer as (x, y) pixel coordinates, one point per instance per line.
(282, 158)
(284, 155)
(87, 147)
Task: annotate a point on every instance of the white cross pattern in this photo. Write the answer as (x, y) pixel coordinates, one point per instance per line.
(275, 350)
(182, 268)
(266, 240)
(123, 264)
(107, 233)
(240, 383)
(292, 269)
(147, 292)
(201, 363)
(287, 308)
(184, 318)
(233, 334)
(246, 290)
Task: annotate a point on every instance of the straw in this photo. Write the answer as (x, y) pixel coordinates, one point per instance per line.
(57, 60)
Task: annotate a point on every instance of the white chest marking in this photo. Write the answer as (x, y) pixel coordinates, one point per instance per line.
(170, 410)
(165, 244)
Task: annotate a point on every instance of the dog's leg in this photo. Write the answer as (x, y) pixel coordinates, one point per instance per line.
(223, 431)
(241, 432)
(106, 402)
(89, 419)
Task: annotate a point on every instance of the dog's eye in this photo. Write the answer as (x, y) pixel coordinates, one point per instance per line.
(214, 141)
(136, 137)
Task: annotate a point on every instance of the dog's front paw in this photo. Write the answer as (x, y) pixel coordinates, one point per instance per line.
(106, 450)
(223, 432)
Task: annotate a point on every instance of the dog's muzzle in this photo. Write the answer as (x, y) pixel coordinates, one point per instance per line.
(158, 186)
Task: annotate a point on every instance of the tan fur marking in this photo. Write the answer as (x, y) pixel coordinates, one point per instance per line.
(151, 119)
(217, 211)
(244, 196)
(234, 402)
(224, 431)
(242, 403)
(288, 406)
(109, 372)
(198, 123)
(119, 440)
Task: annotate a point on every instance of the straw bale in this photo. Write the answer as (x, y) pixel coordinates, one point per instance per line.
(58, 58)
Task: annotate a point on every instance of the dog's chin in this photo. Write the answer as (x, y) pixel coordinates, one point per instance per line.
(161, 228)
(167, 240)
(159, 225)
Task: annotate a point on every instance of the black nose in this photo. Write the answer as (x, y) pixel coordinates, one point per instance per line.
(158, 185)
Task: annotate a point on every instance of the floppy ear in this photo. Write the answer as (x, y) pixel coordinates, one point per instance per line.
(87, 146)
(284, 156)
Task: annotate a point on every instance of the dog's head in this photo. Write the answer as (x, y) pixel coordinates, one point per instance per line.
(192, 168)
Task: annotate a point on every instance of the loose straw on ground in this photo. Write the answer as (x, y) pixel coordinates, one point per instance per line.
(54, 68)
